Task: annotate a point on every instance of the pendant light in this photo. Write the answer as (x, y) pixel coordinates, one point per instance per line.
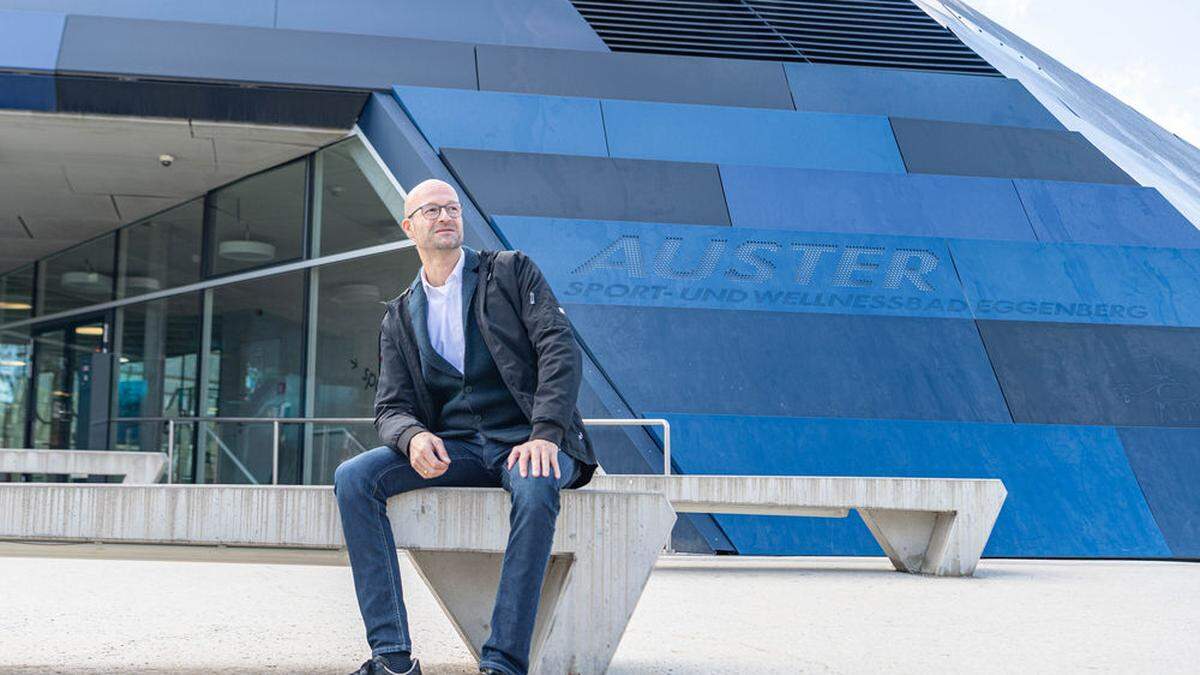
(245, 249)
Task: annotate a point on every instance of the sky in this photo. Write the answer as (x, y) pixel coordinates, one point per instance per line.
(1146, 53)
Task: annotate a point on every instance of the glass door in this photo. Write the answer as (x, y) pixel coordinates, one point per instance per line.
(69, 406)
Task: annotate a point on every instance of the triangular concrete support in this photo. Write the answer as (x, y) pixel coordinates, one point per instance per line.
(605, 547)
(464, 584)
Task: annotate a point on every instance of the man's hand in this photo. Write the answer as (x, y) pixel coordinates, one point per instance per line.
(427, 454)
(538, 455)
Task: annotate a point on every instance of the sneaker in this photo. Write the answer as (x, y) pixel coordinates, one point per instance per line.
(381, 668)
(377, 666)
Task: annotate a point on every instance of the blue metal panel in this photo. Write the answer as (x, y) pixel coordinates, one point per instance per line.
(912, 93)
(27, 92)
(242, 54)
(1080, 283)
(238, 12)
(1090, 213)
(641, 77)
(696, 133)
(590, 187)
(960, 149)
(689, 266)
(30, 40)
(533, 23)
(1167, 464)
(854, 202)
(488, 120)
(818, 365)
(1073, 373)
(1071, 492)
(199, 100)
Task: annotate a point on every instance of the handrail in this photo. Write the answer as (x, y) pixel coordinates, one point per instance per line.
(275, 423)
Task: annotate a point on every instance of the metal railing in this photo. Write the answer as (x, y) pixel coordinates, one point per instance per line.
(277, 422)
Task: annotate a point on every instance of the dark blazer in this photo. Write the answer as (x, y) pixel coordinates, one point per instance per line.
(528, 335)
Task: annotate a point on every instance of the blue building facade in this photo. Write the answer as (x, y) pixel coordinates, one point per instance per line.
(825, 262)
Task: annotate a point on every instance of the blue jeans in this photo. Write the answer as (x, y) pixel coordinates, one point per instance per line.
(363, 485)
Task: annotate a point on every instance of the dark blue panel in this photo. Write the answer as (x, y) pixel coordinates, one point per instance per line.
(1088, 213)
(488, 120)
(912, 93)
(1059, 373)
(237, 53)
(590, 187)
(410, 160)
(853, 202)
(1080, 283)
(534, 23)
(1167, 464)
(218, 102)
(640, 77)
(657, 265)
(240, 12)
(30, 40)
(804, 365)
(27, 92)
(1005, 152)
(727, 135)
(1071, 492)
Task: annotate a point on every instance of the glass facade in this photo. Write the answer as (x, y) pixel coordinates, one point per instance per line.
(350, 299)
(259, 220)
(158, 363)
(162, 251)
(77, 277)
(290, 336)
(357, 204)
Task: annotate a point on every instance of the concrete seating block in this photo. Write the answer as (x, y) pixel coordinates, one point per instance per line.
(136, 467)
(604, 547)
(933, 526)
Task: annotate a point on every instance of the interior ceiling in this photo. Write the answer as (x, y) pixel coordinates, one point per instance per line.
(65, 177)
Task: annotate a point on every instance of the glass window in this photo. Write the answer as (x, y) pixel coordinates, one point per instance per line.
(259, 220)
(15, 351)
(16, 295)
(77, 277)
(350, 304)
(358, 204)
(162, 251)
(157, 367)
(71, 385)
(255, 370)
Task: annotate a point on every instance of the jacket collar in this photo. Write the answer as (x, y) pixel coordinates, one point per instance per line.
(418, 309)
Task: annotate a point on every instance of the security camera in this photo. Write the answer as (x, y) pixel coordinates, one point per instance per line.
(166, 160)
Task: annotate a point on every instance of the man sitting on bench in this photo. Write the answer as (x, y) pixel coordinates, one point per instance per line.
(478, 377)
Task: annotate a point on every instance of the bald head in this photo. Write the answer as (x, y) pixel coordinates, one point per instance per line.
(432, 229)
(432, 191)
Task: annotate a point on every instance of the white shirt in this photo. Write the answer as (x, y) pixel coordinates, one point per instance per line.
(444, 315)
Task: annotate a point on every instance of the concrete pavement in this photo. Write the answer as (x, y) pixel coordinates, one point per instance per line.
(698, 615)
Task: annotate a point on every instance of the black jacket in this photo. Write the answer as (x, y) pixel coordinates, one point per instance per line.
(530, 339)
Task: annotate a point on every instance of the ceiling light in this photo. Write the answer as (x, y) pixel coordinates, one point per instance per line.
(246, 250)
(15, 305)
(12, 364)
(91, 282)
(142, 284)
(89, 330)
(355, 293)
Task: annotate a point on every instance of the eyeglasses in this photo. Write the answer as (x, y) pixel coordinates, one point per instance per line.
(433, 211)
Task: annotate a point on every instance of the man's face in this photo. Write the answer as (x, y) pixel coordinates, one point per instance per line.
(429, 226)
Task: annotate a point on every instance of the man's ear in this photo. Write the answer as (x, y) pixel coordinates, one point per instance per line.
(407, 227)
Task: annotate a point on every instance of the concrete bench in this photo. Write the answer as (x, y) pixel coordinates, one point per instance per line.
(925, 525)
(137, 467)
(604, 548)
